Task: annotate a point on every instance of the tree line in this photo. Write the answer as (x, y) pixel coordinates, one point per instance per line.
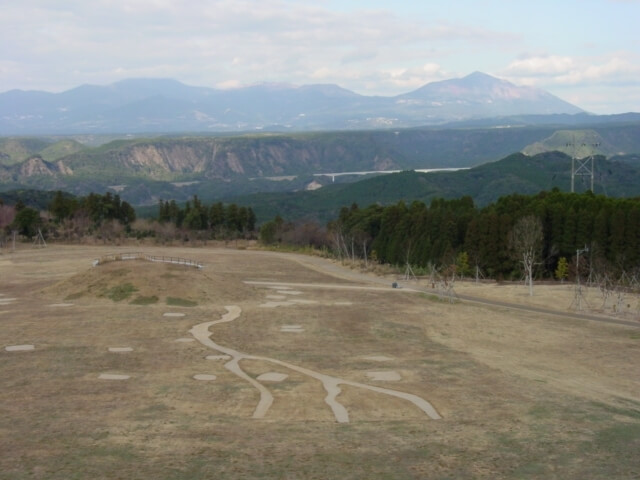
(444, 234)
(456, 233)
(217, 218)
(86, 213)
(108, 217)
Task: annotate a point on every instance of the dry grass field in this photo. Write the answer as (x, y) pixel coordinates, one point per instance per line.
(520, 394)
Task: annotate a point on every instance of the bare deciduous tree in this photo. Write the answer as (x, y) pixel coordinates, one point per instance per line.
(7, 215)
(525, 241)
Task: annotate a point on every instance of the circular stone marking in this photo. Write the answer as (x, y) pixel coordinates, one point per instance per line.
(113, 376)
(384, 376)
(218, 357)
(272, 377)
(120, 349)
(292, 328)
(378, 358)
(61, 305)
(204, 376)
(185, 340)
(275, 304)
(19, 348)
(173, 314)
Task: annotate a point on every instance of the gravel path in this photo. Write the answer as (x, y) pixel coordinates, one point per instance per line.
(331, 384)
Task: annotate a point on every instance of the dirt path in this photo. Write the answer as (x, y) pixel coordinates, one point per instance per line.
(202, 334)
(331, 384)
(546, 311)
(330, 268)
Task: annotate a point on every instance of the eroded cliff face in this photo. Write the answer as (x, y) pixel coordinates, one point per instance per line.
(218, 158)
(32, 167)
(169, 158)
(63, 168)
(224, 158)
(36, 166)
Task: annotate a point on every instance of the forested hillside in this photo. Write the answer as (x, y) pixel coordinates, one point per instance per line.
(486, 183)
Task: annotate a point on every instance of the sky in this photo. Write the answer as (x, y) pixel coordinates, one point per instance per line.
(586, 52)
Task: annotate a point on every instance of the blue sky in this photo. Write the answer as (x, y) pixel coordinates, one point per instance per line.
(586, 52)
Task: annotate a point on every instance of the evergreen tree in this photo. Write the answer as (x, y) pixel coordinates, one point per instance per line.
(62, 207)
(27, 221)
(562, 270)
(216, 215)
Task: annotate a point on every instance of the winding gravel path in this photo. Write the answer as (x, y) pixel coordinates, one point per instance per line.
(331, 384)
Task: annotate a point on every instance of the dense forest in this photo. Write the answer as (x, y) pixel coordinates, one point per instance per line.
(456, 235)
(455, 232)
(219, 219)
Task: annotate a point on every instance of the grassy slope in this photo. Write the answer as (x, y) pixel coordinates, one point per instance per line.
(16, 149)
(61, 149)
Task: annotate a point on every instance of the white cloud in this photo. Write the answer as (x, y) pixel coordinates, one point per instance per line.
(545, 70)
(597, 84)
(212, 42)
(539, 66)
(411, 78)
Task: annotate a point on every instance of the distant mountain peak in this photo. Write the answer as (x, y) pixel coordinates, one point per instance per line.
(489, 96)
(479, 75)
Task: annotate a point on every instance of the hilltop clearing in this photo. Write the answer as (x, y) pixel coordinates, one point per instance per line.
(243, 384)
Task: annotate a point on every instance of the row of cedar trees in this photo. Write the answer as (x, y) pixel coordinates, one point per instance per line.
(457, 233)
(217, 218)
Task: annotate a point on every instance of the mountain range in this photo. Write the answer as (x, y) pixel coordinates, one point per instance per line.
(165, 105)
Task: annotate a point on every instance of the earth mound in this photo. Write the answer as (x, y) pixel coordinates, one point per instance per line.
(145, 283)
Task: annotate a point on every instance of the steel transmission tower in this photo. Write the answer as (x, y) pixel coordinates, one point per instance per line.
(582, 167)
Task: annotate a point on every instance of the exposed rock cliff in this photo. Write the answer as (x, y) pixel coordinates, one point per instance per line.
(226, 158)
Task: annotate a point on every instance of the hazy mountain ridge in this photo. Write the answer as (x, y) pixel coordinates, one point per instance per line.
(164, 105)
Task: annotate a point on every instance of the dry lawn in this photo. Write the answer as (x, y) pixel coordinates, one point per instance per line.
(522, 395)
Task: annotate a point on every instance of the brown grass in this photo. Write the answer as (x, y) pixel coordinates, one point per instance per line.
(523, 395)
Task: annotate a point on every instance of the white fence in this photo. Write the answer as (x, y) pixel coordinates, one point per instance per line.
(118, 257)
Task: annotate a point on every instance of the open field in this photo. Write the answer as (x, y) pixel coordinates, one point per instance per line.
(268, 365)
